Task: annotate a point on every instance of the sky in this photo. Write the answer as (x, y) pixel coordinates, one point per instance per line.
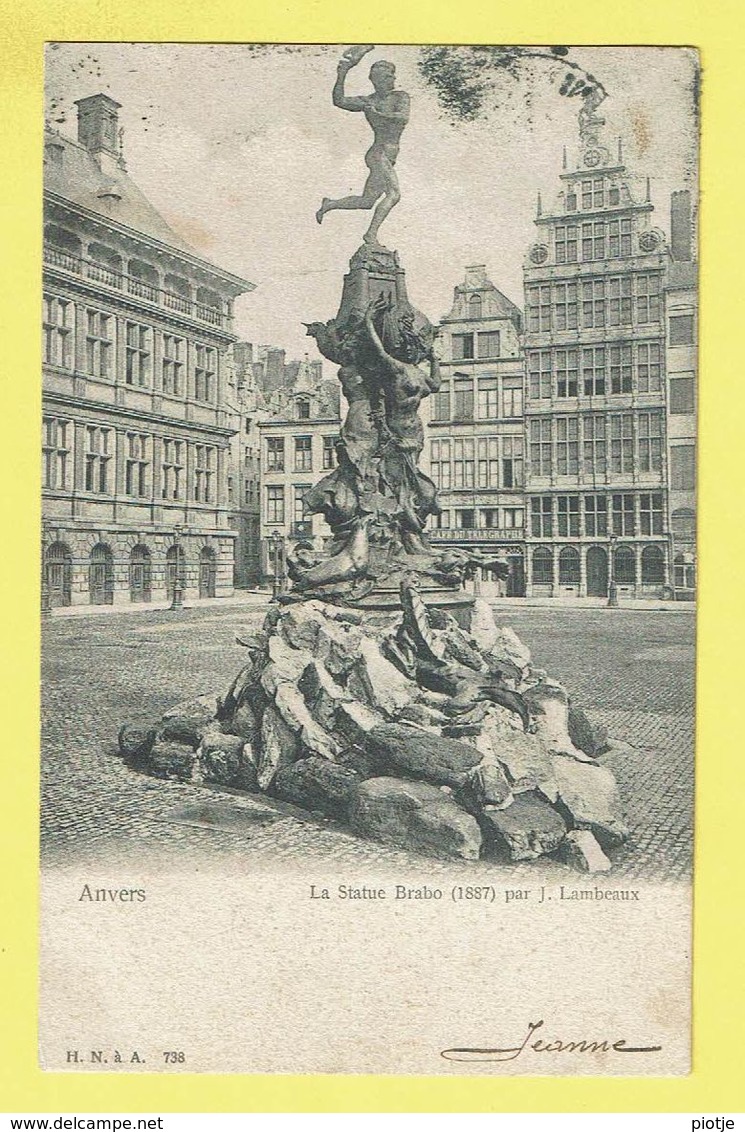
(236, 144)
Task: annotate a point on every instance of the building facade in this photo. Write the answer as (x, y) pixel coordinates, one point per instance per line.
(135, 425)
(298, 430)
(681, 327)
(474, 450)
(244, 471)
(595, 395)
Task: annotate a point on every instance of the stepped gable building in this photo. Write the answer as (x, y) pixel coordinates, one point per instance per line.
(299, 429)
(474, 449)
(595, 404)
(135, 428)
(681, 307)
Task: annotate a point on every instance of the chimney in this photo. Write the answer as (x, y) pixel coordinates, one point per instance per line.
(681, 243)
(476, 275)
(98, 131)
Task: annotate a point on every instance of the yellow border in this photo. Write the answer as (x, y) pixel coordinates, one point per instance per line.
(716, 1084)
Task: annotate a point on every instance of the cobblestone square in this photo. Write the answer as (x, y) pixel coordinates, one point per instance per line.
(630, 669)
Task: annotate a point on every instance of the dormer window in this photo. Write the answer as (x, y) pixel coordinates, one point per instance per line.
(475, 306)
(302, 409)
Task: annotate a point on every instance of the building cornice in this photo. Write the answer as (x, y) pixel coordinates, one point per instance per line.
(139, 415)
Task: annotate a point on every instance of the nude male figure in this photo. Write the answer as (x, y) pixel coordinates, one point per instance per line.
(387, 111)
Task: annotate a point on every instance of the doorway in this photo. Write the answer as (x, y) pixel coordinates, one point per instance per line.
(597, 572)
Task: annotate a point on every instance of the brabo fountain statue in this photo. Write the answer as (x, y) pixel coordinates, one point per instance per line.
(377, 501)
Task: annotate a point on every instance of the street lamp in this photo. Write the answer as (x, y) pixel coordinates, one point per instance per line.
(177, 601)
(612, 588)
(46, 603)
(278, 552)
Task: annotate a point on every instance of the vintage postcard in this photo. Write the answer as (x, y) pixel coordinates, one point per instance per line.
(369, 558)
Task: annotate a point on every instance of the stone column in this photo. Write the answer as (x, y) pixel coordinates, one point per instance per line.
(638, 559)
(582, 570)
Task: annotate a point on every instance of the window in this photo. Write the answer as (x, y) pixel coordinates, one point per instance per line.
(539, 374)
(463, 461)
(567, 517)
(586, 195)
(488, 399)
(587, 242)
(593, 371)
(683, 522)
(622, 442)
(56, 450)
(98, 343)
(441, 464)
(442, 521)
(650, 513)
(173, 365)
(596, 515)
(475, 306)
(462, 347)
(620, 368)
(136, 464)
(681, 329)
(302, 409)
(647, 299)
(566, 243)
(684, 572)
(683, 467)
(205, 369)
(275, 504)
(598, 240)
(489, 518)
(623, 515)
(513, 518)
(512, 461)
(173, 469)
(463, 408)
(488, 344)
(328, 453)
(565, 306)
(650, 442)
(540, 448)
(303, 454)
(204, 473)
(568, 566)
(566, 373)
(465, 520)
(137, 354)
(653, 565)
(298, 508)
(625, 566)
(58, 330)
(275, 454)
(619, 290)
(512, 397)
(488, 462)
(543, 566)
(98, 452)
(539, 308)
(598, 192)
(441, 403)
(648, 367)
(593, 303)
(541, 520)
(567, 446)
(682, 394)
(594, 437)
(619, 237)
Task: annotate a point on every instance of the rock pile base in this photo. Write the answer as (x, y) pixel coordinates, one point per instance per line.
(409, 728)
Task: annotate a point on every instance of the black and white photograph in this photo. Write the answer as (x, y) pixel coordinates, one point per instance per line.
(368, 580)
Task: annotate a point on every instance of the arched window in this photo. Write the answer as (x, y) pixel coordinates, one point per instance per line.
(143, 280)
(568, 565)
(207, 572)
(104, 265)
(140, 573)
(175, 568)
(543, 565)
(101, 575)
(58, 565)
(684, 569)
(653, 565)
(475, 306)
(625, 565)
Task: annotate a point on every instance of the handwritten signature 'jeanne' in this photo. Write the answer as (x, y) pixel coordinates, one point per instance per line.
(557, 1045)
